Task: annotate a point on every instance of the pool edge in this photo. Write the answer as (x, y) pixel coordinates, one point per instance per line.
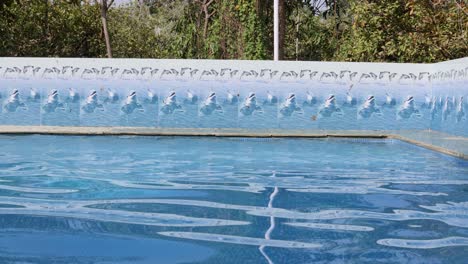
(429, 146)
(229, 132)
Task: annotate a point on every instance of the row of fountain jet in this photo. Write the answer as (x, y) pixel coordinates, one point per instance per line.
(248, 106)
(147, 73)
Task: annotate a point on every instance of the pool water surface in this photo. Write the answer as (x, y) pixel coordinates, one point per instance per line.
(109, 199)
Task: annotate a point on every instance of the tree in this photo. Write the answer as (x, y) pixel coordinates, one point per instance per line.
(350, 30)
(405, 31)
(314, 28)
(205, 6)
(136, 33)
(104, 6)
(282, 28)
(50, 28)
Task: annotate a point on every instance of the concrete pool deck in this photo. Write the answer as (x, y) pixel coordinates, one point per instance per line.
(434, 140)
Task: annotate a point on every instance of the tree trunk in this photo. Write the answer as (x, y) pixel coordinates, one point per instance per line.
(205, 9)
(45, 30)
(141, 4)
(205, 25)
(104, 8)
(259, 5)
(282, 28)
(298, 22)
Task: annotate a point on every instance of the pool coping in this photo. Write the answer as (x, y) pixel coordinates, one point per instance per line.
(430, 146)
(424, 138)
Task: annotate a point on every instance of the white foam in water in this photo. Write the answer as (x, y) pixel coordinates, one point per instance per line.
(424, 244)
(240, 240)
(335, 227)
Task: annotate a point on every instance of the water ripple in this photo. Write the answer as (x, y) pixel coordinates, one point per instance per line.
(240, 240)
(424, 244)
(450, 218)
(76, 209)
(36, 189)
(351, 197)
(454, 214)
(335, 227)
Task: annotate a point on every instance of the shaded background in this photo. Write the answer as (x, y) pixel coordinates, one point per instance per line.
(331, 30)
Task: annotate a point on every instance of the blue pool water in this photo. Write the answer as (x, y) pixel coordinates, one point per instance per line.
(66, 199)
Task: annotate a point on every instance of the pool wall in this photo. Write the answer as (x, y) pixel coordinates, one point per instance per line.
(450, 89)
(252, 95)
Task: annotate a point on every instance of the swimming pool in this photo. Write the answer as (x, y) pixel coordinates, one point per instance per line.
(73, 199)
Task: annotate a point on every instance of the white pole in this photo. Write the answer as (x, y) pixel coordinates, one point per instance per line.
(275, 30)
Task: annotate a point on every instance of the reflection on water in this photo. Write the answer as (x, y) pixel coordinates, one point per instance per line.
(230, 200)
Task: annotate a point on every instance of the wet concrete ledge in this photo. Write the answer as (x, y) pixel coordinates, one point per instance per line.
(445, 143)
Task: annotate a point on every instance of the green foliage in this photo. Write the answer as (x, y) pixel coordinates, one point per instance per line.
(133, 33)
(44, 28)
(233, 31)
(405, 31)
(349, 30)
(310, 36)
(252, 45)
